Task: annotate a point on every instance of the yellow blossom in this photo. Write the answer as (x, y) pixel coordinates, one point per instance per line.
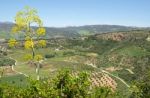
(38, 57)
(12, 42)
(29, 44)
(41, 31)
(28, 57)
(42, 43)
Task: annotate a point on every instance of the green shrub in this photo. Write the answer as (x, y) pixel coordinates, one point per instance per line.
(49, 55)
(72, 87)
(65, 85)
(7, 62)
(68, 53)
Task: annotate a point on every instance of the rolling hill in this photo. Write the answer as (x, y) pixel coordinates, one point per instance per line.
(74, 31)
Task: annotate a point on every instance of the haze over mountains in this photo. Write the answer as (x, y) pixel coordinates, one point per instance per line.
(72, 31)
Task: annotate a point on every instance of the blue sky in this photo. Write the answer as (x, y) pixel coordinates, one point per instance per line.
(58, 13)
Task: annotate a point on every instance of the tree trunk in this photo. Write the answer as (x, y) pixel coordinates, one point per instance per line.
(2, 72)
(37, 71)
(33, 53)
(12, 67)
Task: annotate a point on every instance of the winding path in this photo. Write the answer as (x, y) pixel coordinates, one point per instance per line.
(16, 70)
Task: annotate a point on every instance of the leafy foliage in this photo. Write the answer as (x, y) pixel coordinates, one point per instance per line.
(63, 86)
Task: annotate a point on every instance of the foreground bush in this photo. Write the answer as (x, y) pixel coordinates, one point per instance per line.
(63, 86)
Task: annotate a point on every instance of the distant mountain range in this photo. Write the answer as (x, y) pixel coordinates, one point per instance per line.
(74, 31)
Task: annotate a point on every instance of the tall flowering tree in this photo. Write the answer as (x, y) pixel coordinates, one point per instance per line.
(24, 20)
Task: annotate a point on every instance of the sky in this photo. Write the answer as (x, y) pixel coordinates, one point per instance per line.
(61, 13)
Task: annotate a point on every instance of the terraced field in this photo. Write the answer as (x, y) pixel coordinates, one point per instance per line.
(100, 79)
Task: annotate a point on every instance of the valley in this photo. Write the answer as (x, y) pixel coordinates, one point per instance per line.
(119, 59)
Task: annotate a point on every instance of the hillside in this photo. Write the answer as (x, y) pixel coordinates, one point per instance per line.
(75, 31)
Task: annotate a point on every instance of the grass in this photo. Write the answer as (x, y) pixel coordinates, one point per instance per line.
(133, 51)
(51, 65)
(62, 61)
(16, 80)
(122, 89)
(26, 69)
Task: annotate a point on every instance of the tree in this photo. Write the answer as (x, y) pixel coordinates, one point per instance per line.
(23, 24)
